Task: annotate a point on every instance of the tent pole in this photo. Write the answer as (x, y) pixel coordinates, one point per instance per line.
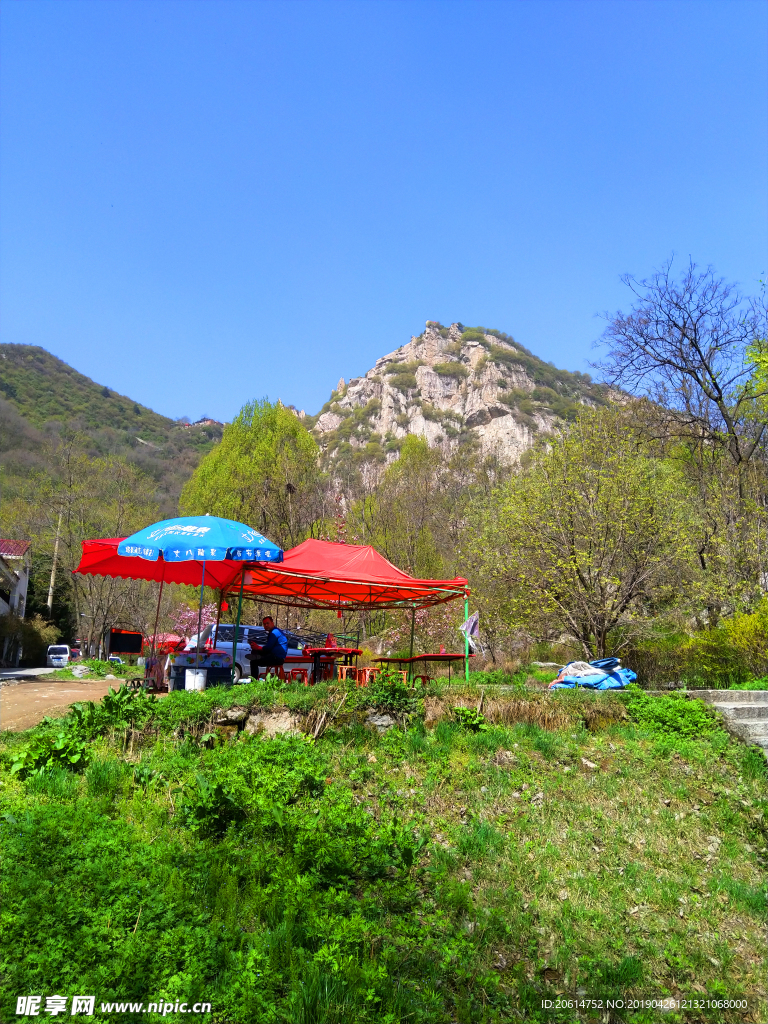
(200, 619)
(157, 613)
(413, 626)
(237, 624)
(466, 638)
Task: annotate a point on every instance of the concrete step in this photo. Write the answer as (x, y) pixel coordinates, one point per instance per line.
(731, 696)
(753, 734)
(743, 711)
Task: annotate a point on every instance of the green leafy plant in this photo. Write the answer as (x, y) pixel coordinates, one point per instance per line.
(389, 693)
(672, 714)
(755, 684)
(44, 752)
(207, 807)
(123, 707)
(84, 717)
(470, 718)
(146, 777)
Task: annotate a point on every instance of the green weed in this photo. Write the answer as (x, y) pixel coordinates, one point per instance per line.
(672, 714)
(469, 718)
(755, 684)
(46, 752)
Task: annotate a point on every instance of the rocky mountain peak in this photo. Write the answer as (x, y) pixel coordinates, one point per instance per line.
(448, 384)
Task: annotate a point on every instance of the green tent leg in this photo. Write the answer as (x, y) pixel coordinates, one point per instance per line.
(466, 639)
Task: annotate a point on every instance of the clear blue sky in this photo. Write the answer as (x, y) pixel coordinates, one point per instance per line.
(206, 202)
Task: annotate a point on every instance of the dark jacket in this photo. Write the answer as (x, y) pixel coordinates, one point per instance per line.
(276, 647)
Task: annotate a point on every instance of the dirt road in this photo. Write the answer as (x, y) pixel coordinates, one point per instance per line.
(24, 704)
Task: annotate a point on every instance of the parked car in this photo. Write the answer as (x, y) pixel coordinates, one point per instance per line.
(246, 635)
(57, 656)
(115, 660)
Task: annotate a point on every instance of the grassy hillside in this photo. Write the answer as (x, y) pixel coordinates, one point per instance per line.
(446, 872)
(41, 397)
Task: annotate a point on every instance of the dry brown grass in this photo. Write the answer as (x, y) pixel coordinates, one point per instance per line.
(542, 709)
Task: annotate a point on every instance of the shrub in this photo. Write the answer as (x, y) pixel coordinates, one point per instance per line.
(496, 677)
(473, 334)
(31, 636)
(403, 367)
(456, 370)
(388, 693)
(404, 382)
(673, 714)
(755, 684)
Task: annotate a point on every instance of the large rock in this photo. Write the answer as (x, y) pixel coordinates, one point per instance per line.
(380, 721)
(230, 716)
(448, 382)
(270, 723)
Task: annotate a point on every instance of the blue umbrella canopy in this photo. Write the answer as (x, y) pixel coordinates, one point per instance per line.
(200, 539)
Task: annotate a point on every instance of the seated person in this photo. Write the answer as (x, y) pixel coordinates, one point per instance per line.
(274, 651)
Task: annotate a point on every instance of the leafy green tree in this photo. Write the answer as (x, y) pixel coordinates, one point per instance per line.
(405, 513)
(31, 637)
(264, 473)
(593, 533)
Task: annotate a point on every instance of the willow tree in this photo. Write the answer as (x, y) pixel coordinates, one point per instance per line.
(264, 472)
(593, 533)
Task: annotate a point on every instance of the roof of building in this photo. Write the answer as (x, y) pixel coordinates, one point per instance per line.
(13, 548)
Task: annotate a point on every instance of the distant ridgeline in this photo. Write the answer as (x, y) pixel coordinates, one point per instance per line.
(451, 384)
(41, 397)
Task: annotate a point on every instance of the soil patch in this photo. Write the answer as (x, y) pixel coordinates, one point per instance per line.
(25, 704)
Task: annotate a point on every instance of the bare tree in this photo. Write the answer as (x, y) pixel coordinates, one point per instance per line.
(684, 345)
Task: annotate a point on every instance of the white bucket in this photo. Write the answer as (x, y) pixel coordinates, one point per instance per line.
(194, 678)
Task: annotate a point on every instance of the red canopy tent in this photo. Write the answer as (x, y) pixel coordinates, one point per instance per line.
(321, 574)
(315, 574)
(100, 558)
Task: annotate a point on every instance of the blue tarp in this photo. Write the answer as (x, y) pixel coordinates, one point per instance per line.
(607, 676)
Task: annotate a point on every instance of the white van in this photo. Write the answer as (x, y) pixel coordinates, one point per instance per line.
(58, 656)
(246, 635)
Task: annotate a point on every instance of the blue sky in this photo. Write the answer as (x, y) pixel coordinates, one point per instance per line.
(206, 202)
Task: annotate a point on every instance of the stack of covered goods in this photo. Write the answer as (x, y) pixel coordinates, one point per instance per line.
(603, 674)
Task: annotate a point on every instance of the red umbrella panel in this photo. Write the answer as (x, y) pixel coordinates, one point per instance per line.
(100, 558)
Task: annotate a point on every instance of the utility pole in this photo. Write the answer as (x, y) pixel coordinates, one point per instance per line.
(53, 568)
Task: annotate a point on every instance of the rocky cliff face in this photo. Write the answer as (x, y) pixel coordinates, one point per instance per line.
(447, 385)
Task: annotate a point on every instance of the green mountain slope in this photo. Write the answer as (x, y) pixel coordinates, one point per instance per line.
(41, 398)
